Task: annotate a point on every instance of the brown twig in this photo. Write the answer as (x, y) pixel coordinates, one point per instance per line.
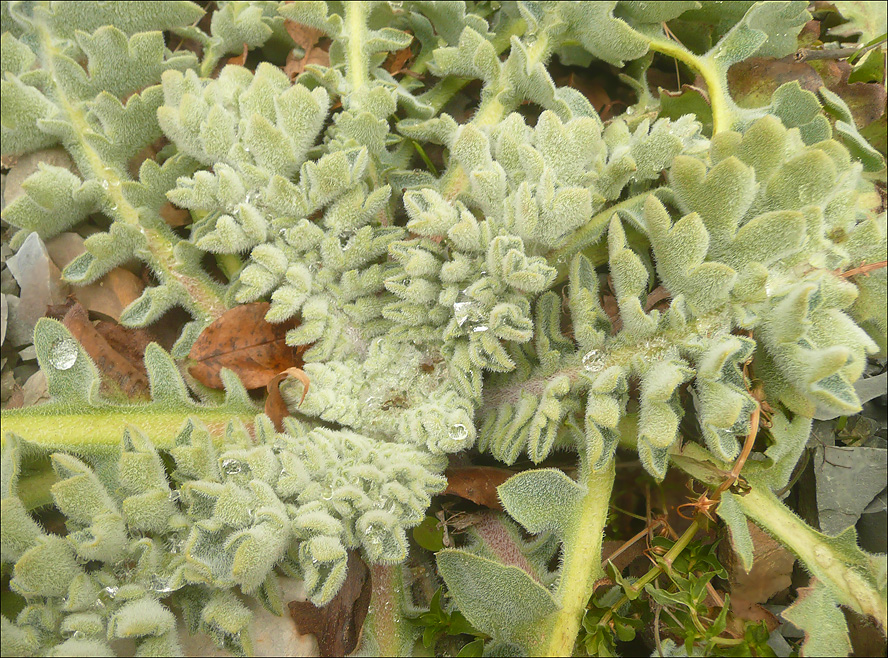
(863, 269)
(804, 54)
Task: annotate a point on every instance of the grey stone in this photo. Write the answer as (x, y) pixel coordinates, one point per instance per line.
(848, 479)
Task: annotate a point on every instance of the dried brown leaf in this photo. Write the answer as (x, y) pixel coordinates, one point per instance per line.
(477, 483)
(17, 399)
(397, 60)
(115, 368)
(307, 39)
(275, 407)
(609, 305)
(174, 216)
(337, 626)
(658, 298)
(111, 294)
(304, 36)
(242, 341)
(129, 343)
(753, 81)
(771, 574)
(866, 100)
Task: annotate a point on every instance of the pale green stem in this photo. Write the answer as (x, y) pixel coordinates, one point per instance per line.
(356, 62)
(852, 582)
(95, 430)
(384, 619)
(837, 562)
(557, 635)
(716, 84)
(201, 295)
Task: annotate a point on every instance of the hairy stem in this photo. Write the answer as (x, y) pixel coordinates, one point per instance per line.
(838, 562)
(62, 427)
(356, 62)
(391, 631)
(716, 81)
(582, 567)
(201, 296)
(843, 568)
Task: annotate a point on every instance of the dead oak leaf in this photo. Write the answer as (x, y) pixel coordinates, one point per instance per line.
(337, 626)
(478, 484)
(242, 341)
(116, 369)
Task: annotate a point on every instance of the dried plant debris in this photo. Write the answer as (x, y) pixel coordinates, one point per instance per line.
(439, 309)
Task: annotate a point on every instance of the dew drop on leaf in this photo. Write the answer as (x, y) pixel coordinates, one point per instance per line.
(459, 432)
(231, 466)
(63, 354)
(592, 360)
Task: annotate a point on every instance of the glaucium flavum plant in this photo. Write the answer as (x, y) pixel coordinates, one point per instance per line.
(469, 296)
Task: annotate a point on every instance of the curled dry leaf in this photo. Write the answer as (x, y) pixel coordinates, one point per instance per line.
(478, 484)
(337, 626)
(116, 369)
(658, 299)
(239, 60)
(275, 407)
(242, 341)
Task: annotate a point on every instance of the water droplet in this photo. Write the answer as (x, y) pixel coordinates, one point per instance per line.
(480, 328)
(247, 149)
(459, 432)
(327, 493)
(105, 184)
(114, 207)
(231, 466)
(174, 496)
(158, 584)
(111, 592)
(63, 354)
(372, 534)
(592, 360)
